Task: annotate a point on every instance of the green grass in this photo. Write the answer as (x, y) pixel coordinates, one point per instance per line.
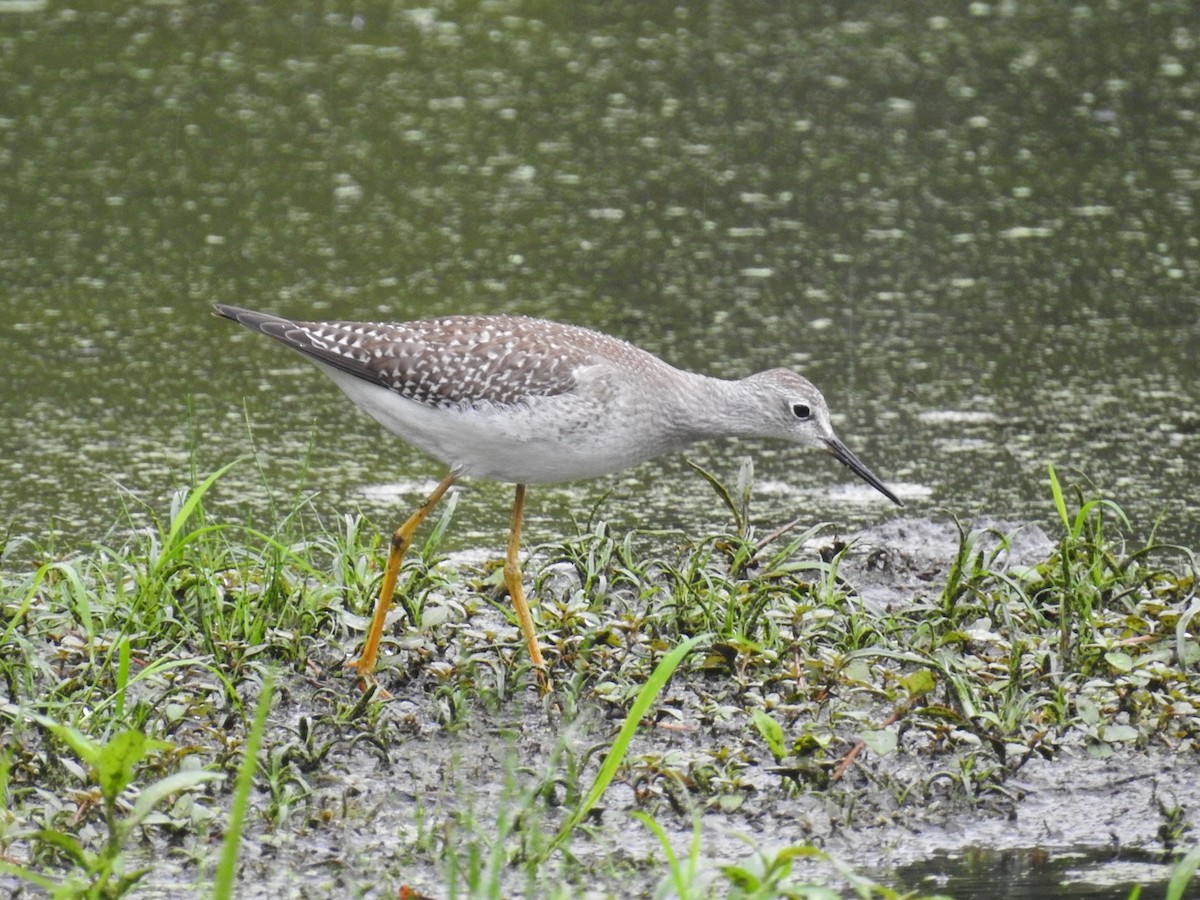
(175, 699)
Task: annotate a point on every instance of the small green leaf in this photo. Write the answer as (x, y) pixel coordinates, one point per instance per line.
(1122, 662)
(919, 683)
(802, 851)
(771, 732)
(742, 877)
(1100, 750)
(163, 788)
(1115, 734)
(117, 760)
(880, 742)
(1189, 653)
(858, 670)
(810, 742)
(729, 803)
(1088, 712)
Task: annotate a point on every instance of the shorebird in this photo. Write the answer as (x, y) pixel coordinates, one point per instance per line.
(529, 401)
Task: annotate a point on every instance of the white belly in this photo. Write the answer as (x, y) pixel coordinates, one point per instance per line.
(547, 439)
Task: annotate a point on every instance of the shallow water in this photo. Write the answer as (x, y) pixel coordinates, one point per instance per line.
(1083, 873)
(975, 231)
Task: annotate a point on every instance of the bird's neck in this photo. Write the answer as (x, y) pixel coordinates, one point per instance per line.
(707, 408)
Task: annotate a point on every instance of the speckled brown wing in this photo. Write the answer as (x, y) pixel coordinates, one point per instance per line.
(450, 361)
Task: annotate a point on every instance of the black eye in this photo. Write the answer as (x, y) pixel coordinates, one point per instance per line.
(800, 411)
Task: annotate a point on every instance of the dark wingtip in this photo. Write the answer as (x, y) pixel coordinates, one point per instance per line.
(257, 321)
(225, 311)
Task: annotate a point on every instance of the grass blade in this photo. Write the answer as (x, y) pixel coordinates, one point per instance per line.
(181, 518)
(723, 492)
(668, 851)
(122, 679)
(1059, 503)
(1182, 876)
(616, 754)
(227, 866)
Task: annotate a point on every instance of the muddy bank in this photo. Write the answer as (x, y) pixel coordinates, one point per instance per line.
(436, 773)
(909, 692)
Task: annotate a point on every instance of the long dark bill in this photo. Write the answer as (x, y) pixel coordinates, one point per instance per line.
(847, 458)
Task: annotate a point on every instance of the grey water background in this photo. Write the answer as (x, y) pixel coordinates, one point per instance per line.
(972, 225)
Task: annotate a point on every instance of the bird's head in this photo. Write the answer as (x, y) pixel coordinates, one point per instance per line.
(797, 412)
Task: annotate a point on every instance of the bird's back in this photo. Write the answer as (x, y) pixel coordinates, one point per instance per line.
(456, 361)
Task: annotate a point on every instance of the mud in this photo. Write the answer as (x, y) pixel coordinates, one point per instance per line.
(432, 780)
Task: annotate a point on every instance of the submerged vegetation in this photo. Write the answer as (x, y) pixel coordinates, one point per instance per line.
(175, 707)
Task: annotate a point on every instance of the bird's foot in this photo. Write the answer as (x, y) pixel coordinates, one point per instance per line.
(545, 684)
(366, 677)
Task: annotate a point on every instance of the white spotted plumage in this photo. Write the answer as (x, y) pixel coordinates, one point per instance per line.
(526, 400)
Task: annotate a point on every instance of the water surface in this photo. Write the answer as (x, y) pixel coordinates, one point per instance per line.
(972, 226)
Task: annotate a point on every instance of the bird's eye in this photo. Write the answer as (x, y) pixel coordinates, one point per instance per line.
(800, 411)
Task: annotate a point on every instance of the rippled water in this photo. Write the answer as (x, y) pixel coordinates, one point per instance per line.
(973, 227)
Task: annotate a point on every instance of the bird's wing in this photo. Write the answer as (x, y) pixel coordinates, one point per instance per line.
(449, 361)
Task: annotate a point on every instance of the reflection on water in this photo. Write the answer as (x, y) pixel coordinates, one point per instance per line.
(973, 230)
(1038, 874)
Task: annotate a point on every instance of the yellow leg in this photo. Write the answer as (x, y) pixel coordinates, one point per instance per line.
(512, 580)
(401, 541)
